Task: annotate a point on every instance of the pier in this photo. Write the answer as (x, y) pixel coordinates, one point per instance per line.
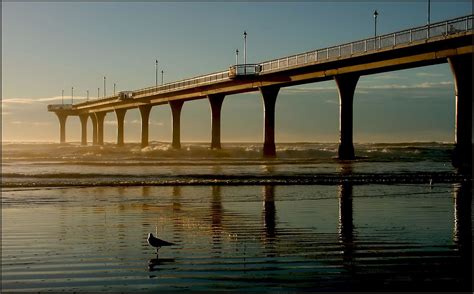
(449, 41)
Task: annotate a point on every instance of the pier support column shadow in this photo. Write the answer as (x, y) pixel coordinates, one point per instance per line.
(216, 219)
(145, 115)
(269, 211)
(346, 226)
(62, 127)
(216, 105)
(176, 107)
(462, 234)
(269, 95)
(120, 114)
(100, 116)
(83, 118)
(461, 66)
(346, 85)
(94, 128)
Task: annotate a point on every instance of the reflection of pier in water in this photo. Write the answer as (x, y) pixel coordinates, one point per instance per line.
(359, 257)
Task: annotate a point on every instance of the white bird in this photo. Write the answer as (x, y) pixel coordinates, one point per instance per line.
(157, 243)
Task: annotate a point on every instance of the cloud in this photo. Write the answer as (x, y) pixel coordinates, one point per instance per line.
(29, 101)
(429, 74)
(365, 89)
(308, 89)
(157, 123)
(151, 123)
(35, 124)
(329, 101)
(387, 77)
(425, 85)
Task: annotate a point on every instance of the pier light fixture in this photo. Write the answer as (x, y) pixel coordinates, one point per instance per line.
(245, 47)
(162, 73)
(429, 11)
(114, 88)
(105, 89)
(375, 22)
(236, 56)
(245, 52)
(98, 93)
(87, 95)
(156, 72)
(72, 95)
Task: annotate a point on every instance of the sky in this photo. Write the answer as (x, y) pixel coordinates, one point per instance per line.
(48, 47)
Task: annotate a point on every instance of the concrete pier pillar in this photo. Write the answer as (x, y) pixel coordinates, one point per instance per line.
(83, 118)
(269, 95)
(62, 127)
(145, 114)
(176, 107)
(461, 66)
(100, 116)
(346, 85)
(216, 105)
(94, 128)
(120, 114)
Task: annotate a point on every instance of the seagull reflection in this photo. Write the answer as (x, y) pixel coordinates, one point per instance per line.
(154, 263)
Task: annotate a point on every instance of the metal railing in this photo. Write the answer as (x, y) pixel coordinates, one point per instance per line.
(244, 70)
(173, 86)
(423, 33)
(444, 28)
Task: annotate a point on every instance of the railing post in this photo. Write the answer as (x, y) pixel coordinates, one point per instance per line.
(339, 49)
(411, 35)
(352, 48)
(446, 28)
(365, 45)
(394, 39)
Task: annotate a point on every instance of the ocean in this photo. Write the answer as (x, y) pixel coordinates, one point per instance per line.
(75, 218)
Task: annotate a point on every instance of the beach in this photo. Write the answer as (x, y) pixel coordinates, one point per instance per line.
(76, 218)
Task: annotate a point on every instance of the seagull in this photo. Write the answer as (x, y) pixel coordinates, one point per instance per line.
(157, 243)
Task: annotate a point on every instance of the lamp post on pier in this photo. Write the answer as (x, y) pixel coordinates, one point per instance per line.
(429, 18)
(87, 95)
(105, 89)
(162, 73)
(72, 95)
(245, 52)
(156, 72)
(375, 23)
(429, 12)
(114, 89)
(236, 56)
